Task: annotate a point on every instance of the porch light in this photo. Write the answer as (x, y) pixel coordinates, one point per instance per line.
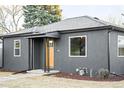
(50, 41)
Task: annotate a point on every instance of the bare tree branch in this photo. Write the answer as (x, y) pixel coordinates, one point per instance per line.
(10, 17)
(115, 20)
(6, 29)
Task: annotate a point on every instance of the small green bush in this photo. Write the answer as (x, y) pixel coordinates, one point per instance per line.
(103, 73)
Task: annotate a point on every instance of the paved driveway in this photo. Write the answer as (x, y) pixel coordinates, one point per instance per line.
(37, 80)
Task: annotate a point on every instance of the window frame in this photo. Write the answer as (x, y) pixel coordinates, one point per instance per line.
(17, 48)
(70, 45)
(118, 46)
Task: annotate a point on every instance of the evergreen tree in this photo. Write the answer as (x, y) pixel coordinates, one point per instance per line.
(38, 15)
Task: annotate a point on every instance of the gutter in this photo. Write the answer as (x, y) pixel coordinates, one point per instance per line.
(85, 29)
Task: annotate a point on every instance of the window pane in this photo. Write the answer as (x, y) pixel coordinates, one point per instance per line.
(77, 46)
(121, 45)
(17, 44)
(17, 48)
(121, 51)
(17, 52)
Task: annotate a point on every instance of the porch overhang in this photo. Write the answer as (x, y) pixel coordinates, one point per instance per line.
(49, 35)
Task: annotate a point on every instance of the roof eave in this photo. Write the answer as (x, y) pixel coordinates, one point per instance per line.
(108, 27)
(115, 28)
(87, 29)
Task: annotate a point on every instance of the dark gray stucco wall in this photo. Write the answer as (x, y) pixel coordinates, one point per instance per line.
(97, 52)
(38, 53)
(15, 63)
(116, 63)
(1, 57)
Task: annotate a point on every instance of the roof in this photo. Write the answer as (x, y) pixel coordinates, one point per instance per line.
(81, 22)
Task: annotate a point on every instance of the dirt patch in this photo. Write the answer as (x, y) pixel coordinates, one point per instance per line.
(78, 77)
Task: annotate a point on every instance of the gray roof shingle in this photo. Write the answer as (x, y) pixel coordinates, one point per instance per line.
(67, 24)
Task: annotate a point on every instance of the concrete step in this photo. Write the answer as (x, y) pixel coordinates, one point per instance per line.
(41, 71)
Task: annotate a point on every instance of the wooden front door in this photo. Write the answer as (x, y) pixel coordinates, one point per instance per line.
(50, 54)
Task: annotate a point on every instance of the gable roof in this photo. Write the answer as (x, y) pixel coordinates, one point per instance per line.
(81, 22)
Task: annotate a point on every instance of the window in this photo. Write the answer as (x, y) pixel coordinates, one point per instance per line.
(17, 48)
(120, 46)
(78, 46)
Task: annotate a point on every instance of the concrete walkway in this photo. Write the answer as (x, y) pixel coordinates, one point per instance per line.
(30, 73)
(17, 76)
(41, 71)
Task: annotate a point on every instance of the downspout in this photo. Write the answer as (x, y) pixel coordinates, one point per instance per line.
(108, 47)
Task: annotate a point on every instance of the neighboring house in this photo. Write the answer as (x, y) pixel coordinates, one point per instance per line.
(65, 46)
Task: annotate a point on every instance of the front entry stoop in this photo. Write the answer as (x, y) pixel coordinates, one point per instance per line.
(41, 71)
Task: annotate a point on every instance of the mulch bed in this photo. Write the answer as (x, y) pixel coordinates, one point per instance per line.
(78, 77)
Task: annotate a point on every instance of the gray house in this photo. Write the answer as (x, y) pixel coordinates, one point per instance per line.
(65, 46)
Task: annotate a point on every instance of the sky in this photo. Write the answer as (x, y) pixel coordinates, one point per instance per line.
(98, 11)
(103, 12)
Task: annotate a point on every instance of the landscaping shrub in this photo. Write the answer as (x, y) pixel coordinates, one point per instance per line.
(82, 71)
(103, 73)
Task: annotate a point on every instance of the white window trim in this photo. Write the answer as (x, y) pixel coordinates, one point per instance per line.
(118, 46)
(85, 45)
(17, 48)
